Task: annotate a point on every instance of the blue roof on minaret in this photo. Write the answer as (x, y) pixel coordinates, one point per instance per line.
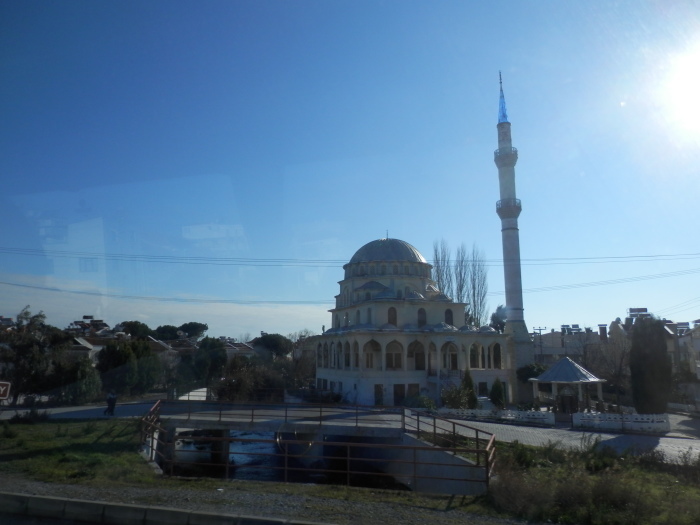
(502, 114)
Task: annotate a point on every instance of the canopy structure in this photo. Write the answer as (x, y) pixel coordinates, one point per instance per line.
(567, 373)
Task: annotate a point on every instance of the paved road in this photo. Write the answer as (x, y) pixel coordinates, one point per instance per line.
(684, 435)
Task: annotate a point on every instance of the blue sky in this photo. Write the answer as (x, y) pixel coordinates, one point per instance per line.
(220, 161)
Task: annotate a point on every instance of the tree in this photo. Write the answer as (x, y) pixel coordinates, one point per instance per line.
(650, 366)
(525, 373)
(442, 267)
(166, 332)
(118, 367)
(499, 318)
(194, 330)
(468, 387)
(477, 287)
(277, 345)
(210, 359)
(148, 367)
(465, 279)
(462, 396)
(250, 381)
(136, 329)
(27, 354)
(78, 382)
(498, 394)
(611, 361)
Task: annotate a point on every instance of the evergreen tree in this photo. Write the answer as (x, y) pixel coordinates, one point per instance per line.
(148, 370)
(468, 388)
(650, 366)
(118, 367)
(498, 394)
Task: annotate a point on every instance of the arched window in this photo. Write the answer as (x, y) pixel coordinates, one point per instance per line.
(394, 356)
(383, 269)
(337, 321)
(325, 356)
(448, 317)
(371, 349)
(371, 269)
(395, 269)
(356, 354)
(417, 352)
(346, 352)
(483, 357)
(392, 316)
(357, 317)
(369, 316)
(421, 317)
(319, 356)
(367, 296)
(399, 294)
(497, 363)
(405, 269)
(346, 320)
(474, 356)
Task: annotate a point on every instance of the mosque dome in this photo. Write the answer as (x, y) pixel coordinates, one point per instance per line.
(387, 250)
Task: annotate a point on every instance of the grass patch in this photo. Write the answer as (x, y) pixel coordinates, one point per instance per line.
(94, 451)
(595, 485)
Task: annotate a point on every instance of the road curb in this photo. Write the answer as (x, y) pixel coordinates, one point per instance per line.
(102, 513)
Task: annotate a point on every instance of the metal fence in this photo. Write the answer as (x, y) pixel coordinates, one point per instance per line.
(433, 454)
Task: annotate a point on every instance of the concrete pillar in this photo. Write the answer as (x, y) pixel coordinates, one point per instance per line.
(220, 448)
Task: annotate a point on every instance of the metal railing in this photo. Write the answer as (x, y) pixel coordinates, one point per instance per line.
(432, 433)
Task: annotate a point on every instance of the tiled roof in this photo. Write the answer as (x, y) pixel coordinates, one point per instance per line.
(567, 371)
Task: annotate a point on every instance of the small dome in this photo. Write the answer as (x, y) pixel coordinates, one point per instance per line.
(387, 250)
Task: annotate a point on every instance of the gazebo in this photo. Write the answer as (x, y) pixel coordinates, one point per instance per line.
(567, 374)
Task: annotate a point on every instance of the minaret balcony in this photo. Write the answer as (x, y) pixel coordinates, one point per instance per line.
(508, 208)
(505, 157)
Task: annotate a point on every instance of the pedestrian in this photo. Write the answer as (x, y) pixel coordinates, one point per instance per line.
(111, 402)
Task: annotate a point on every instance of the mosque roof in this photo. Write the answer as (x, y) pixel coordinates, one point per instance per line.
(387, 250)
(567, 371)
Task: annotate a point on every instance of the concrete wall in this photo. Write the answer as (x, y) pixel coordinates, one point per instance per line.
(121, 514)
(655, 423)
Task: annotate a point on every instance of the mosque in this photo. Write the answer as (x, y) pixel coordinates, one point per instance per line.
(395, 335)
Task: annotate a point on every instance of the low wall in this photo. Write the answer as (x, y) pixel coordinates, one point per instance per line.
(655, 423)
(535, 417)
(94, 512)
(689, 408)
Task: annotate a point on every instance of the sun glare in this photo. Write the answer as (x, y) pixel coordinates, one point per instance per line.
(681, 93)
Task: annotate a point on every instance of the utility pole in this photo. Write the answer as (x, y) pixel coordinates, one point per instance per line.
(539, 331)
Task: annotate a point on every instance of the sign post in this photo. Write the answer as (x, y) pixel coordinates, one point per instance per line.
(4, 390)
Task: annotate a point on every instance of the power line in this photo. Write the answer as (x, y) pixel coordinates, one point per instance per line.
(553, 288)
(162, 299)
(321, 263)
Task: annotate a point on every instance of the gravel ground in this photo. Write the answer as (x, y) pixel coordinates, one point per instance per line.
(233, 498)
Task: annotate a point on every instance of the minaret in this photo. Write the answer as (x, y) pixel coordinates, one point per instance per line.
(508, 209)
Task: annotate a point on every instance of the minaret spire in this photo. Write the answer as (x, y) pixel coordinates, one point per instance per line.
(502, 114)
(508, 209)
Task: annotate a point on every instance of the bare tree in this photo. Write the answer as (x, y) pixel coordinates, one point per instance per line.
(465, 279)
(442, 267)
(461, 274)
(477, 287)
